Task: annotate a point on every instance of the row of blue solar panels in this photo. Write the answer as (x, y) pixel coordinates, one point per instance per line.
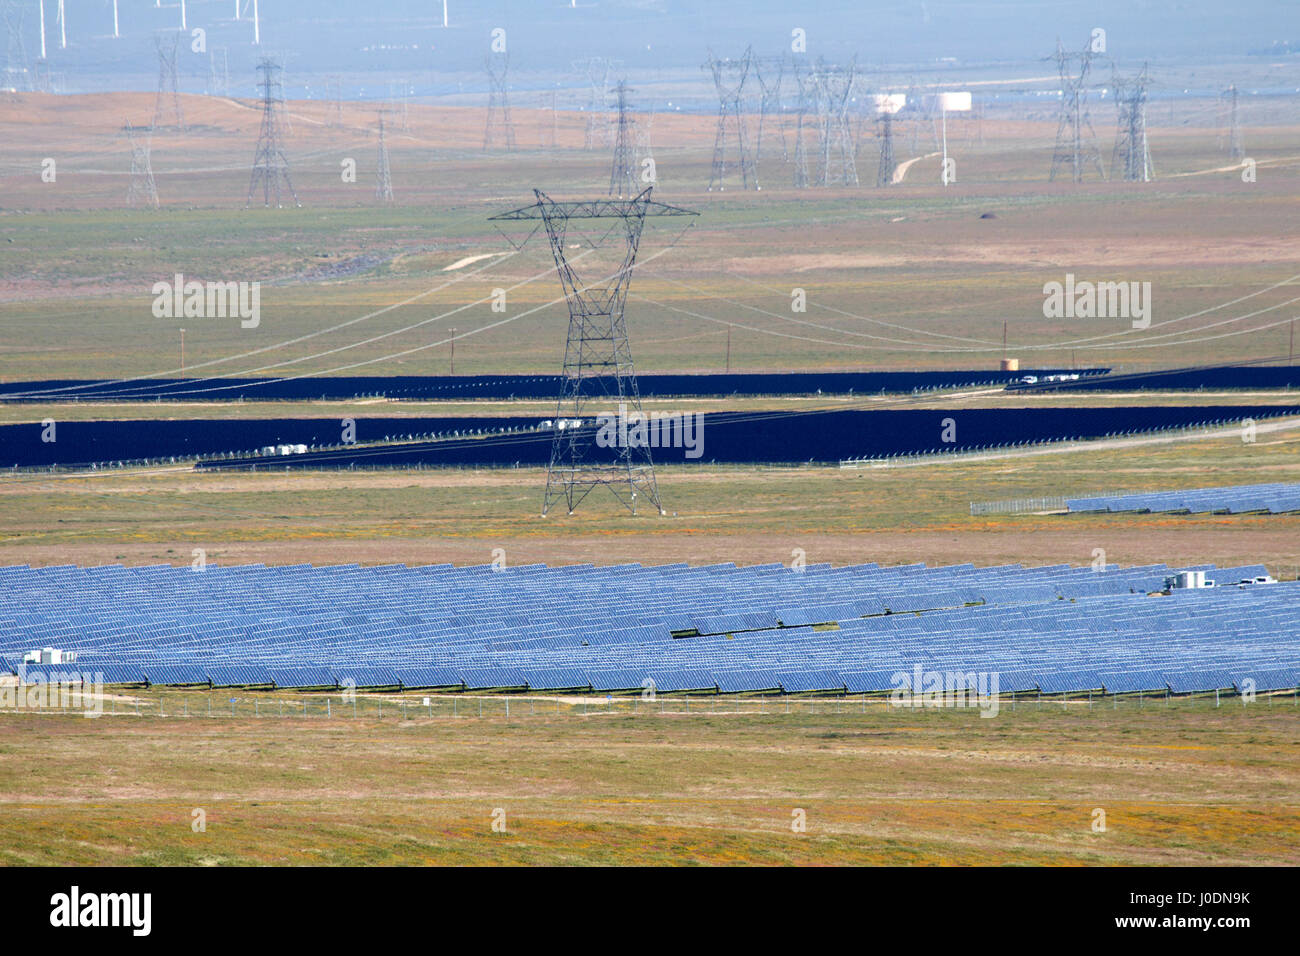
(1054, 629)
(1275, 498)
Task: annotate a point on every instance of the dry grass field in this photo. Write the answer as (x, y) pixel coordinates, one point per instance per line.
(1181, 783)
(905, 277)
(743, 514)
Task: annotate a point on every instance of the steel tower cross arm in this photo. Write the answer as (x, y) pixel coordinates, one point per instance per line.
(639, 205)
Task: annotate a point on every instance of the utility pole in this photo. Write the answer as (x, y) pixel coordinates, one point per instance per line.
(453, 351)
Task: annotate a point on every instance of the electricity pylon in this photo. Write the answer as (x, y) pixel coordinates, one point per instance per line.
(142, 189)
(885, 171)
(270, 166)
(383, 176)
(499, 125)
(168, 99)
(597, 70)
(1131, 158)
(1236, 149)
(837, 146)
(1076, 142)
(729, 78)
(770, 74)
(17, 76)
(597, 357)
(622, 173)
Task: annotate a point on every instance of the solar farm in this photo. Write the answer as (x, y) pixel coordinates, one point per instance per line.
(671, 629)
(656, 437)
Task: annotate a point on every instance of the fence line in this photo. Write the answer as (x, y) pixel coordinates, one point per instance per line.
(1018, 505)
(338, 707)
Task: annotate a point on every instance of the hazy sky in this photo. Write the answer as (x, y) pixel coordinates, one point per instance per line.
(406, 35)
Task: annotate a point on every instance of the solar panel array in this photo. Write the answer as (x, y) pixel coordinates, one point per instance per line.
(724, 628)
(1232, 499)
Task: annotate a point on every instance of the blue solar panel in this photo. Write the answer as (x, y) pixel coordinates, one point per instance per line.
(1236, 499)
(1058, 629)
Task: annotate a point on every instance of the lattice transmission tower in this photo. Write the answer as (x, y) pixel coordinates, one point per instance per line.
(167, 112)
(597, 357)
(807, 108)
(838, 150)
(596, 70)
(383, 175)
(333, 95)
(16, 75)
(729, 77)
(270, 166)
(622, 173)
(548, 122)
(1131, 157)
(1076, 141)
(1236, 148)
(769, 72)
(500, 128)
(885, 170)
(218, 71)
(142, 190)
